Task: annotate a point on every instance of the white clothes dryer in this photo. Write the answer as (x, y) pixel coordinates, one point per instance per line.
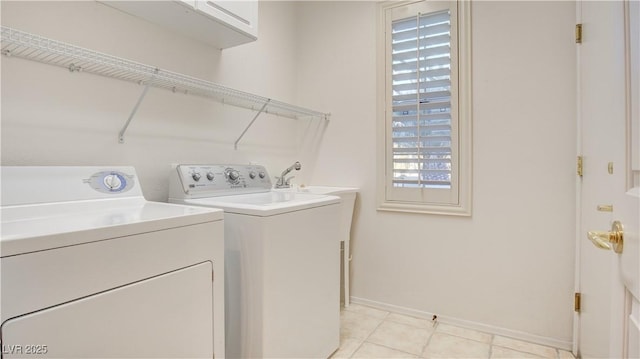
(90, 269)
(282, 261)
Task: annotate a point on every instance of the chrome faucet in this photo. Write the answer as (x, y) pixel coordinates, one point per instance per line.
(284, 182)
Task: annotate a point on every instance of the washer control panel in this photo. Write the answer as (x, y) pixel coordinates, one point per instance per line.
(223, 179)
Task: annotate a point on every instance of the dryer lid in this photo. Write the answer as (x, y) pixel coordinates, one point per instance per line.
(29, 228)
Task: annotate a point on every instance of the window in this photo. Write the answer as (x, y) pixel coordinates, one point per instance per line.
(425, 137)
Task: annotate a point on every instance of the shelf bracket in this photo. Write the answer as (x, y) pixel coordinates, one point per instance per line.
(135, 108)
(235, 144)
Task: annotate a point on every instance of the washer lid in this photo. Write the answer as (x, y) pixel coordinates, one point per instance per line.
(265, 203)
(30, 228)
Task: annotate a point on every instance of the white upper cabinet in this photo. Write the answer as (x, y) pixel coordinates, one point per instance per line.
(222, 24)
(242, 15)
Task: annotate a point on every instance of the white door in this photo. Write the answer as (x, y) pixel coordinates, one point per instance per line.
(608, 133)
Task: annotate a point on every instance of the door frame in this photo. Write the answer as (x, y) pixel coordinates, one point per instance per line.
(578, 195)
(621, 298)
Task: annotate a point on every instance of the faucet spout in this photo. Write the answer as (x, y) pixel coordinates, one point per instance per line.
(284, 182)
(297, 166)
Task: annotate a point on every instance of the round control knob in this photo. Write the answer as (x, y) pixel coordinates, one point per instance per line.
(252, 175)
(233, 175)
(196, 176)
(210, 176)
(112, 181)
(262, 174)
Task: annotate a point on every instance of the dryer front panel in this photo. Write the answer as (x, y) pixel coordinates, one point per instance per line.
(167, 316)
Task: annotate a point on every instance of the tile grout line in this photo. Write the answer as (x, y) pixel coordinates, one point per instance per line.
(386, 318)
(394, 349)
(471, 339)
(491, 346)
(369, 335)
(426, 345)
(358, 348)
(538, 355)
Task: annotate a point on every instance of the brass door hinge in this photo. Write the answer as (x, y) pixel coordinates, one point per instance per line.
(576, 302)
(578, 33)
(579, 166)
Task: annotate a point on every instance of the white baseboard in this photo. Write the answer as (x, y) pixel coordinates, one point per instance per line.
(532, 338)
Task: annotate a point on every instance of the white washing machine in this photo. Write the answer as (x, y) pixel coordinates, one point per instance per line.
(90, 269)
(282, 261)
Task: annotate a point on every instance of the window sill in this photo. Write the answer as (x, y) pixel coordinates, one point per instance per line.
(436, 209)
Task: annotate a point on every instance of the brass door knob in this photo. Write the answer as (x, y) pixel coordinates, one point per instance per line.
(608, 240)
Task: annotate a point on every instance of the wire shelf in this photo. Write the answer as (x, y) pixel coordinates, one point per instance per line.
(16, 43)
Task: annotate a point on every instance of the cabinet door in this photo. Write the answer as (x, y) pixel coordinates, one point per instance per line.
(168, 316)
(242, 15)
(191, 4)
(222, 24)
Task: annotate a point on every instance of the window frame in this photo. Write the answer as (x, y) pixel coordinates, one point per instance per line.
(454, 201)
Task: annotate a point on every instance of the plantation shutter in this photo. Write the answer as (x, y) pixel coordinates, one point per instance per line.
(421, 101)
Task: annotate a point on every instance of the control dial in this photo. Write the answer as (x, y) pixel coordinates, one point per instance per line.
(196, 176)
(262, 174)
(210, 176)
(252, 175)
(232, 175)
(113, 182)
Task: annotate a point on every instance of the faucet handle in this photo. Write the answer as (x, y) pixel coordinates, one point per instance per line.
(283, 182)
(280, 182)
(287, 182)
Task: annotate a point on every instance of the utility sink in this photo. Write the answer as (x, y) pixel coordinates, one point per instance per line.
(269, 198)
(348, 199)
(323, 190)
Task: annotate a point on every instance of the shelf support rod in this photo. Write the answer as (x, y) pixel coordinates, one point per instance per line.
(135, 108)
(235, 144)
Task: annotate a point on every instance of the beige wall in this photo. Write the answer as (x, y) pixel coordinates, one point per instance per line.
(508, 268)
(52, 117)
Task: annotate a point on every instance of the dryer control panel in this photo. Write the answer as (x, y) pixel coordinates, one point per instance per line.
(45, 184)
(194, 181)
(111, 181)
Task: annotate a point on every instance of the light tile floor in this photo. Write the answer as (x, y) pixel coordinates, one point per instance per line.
(372, 333)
